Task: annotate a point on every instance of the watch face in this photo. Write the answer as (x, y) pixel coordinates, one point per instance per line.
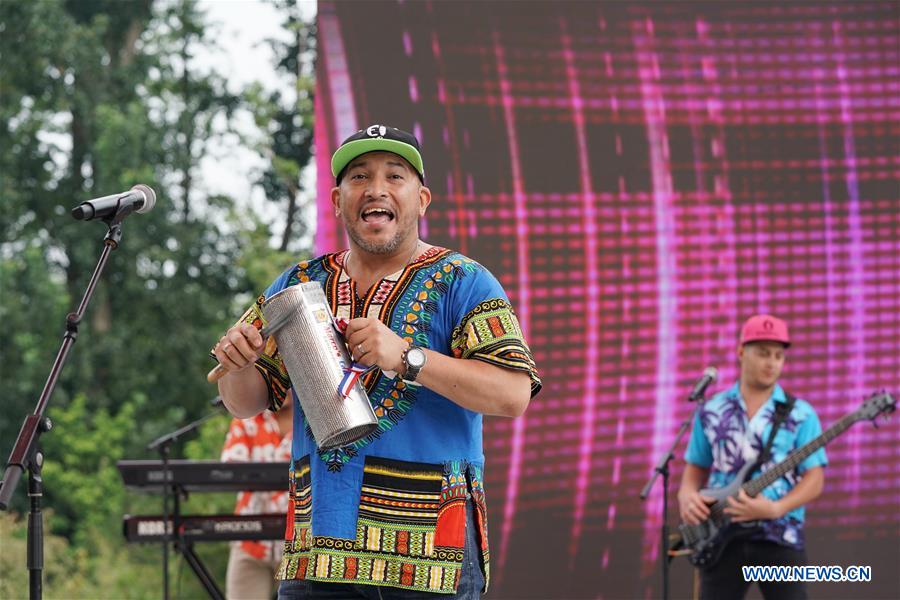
(415, 358)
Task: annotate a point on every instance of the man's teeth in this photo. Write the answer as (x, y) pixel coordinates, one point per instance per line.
(377, 211)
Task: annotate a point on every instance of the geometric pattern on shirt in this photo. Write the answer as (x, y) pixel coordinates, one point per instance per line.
(451, 521)
(490, 332)
(301, 489)
(297, 534)
(356, 568)
(400, 493)
(398, 508)
(396, 531)
(406, 301)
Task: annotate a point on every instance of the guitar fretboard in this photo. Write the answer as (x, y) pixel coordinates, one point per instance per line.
(758, 484)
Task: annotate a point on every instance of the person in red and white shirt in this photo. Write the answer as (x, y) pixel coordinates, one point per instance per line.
(263, 438)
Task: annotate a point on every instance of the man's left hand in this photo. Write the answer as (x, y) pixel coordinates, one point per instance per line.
(744, 508)
(372, 343)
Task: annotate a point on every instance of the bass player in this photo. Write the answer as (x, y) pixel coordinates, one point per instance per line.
(735, 428)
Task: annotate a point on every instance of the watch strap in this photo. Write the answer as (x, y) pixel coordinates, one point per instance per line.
(412, 371)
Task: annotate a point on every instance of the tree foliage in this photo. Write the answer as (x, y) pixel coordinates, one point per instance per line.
(288, 119)
(96, 96)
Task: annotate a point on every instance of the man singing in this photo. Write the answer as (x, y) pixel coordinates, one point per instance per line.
(402, 509)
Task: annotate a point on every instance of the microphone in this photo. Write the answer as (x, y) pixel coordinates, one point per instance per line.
(140, 198)
(217, 402)
(710, 374)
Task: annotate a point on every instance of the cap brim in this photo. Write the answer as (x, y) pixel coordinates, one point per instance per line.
(762, 339)
(351, 150)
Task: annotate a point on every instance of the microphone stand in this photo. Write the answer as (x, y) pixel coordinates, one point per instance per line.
(26, 454)
(163, 445)
(662, 468)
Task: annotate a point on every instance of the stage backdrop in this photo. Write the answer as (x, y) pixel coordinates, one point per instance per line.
(641, 177)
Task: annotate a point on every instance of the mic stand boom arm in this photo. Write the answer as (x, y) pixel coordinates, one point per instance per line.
(26, 453)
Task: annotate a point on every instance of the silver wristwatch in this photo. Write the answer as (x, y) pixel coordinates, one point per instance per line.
(414, 358)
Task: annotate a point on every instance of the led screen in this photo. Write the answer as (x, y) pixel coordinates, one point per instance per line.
(641, 177)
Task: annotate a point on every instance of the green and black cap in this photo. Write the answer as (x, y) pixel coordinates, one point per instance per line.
(377, 138)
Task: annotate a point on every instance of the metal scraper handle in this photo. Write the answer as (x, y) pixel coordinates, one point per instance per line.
(219, 371)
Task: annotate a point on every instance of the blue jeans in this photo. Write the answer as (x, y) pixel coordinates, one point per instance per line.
(471, 580)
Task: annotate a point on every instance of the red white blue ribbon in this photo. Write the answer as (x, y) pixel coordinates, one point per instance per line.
(351, 376)
(356, 370)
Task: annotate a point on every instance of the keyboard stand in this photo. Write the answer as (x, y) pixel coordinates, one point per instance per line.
(206, 579)
(186, 549)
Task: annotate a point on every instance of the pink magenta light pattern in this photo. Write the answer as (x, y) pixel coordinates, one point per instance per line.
(641, 177)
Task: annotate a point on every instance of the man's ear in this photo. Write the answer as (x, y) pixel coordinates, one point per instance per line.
(424, 200)
(336, 200)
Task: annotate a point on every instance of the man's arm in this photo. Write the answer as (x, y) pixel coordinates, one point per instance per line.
(242, 388)
(476, 385)
(471, 383)
(745, 508)
(693, 507)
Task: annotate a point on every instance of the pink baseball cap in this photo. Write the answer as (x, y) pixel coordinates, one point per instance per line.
(765, 328)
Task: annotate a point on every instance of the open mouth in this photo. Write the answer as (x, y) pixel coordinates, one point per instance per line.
(377, 215)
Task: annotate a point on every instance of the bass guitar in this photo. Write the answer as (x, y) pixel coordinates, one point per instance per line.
(707, 540)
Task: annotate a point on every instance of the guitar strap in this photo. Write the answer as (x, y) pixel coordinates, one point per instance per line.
(782, 410)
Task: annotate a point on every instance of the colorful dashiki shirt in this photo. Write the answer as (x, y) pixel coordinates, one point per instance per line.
(258, 440)
(390, 509)
(724, 440)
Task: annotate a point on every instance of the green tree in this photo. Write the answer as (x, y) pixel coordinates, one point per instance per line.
(287, 120)
(96, 96)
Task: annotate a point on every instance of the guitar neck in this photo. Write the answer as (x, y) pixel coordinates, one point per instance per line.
(758, 484)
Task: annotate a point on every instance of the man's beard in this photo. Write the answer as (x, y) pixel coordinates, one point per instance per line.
(388, 247)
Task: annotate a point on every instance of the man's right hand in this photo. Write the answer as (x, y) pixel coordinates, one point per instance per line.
(239, 347)
(694, 508)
